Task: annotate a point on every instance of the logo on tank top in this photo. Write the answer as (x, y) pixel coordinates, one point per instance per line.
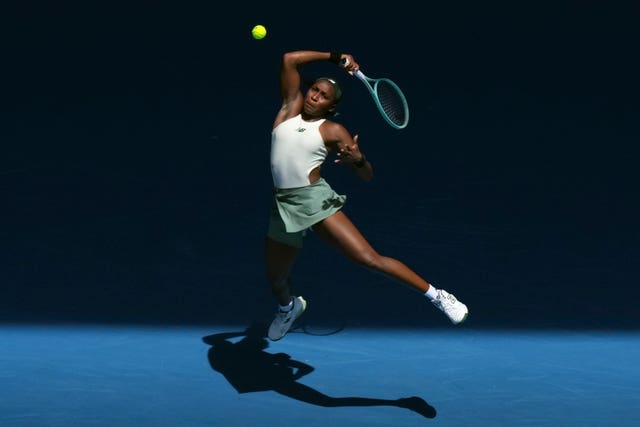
(301, 129)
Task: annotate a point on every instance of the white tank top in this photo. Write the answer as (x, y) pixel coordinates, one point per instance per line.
(296, 149)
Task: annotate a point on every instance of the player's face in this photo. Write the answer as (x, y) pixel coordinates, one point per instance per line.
(320, 99)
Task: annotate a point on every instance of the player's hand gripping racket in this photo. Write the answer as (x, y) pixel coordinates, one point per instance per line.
(389, 99)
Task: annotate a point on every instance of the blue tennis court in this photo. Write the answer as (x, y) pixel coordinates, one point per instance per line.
(227, 375)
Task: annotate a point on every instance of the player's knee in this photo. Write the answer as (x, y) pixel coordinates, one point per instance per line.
(370, 260)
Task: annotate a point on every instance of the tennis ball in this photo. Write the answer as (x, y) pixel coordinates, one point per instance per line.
(259, 32)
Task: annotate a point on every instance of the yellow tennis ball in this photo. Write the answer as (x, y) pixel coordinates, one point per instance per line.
(259, 32)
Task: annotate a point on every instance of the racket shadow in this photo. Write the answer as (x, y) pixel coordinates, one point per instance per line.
(241, 358)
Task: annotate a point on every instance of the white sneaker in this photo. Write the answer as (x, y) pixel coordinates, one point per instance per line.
(454, 309)
(284, 319)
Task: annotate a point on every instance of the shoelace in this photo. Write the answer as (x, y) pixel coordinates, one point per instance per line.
(448, 300)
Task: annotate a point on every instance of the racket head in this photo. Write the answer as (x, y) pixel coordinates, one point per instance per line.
(389, 99)
(392, 103)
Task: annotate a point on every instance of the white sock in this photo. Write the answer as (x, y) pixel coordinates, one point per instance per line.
(432, 292)
(287, 307)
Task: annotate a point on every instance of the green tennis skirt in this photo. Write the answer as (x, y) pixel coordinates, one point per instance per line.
(295, 210)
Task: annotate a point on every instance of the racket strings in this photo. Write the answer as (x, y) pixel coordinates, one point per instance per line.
(392, 102)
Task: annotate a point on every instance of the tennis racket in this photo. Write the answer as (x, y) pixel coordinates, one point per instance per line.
(389, 99)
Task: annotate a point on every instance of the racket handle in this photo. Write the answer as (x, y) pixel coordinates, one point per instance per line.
(344, 62)
(359, 74)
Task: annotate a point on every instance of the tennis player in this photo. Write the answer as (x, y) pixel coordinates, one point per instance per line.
(301, 139)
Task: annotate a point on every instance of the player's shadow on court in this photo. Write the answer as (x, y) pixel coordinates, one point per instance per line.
(249, 368)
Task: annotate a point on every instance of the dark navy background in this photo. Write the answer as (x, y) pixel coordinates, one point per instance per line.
(135, 183)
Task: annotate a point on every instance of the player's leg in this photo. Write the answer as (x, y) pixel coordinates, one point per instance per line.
(279, 258)
(339, 232)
